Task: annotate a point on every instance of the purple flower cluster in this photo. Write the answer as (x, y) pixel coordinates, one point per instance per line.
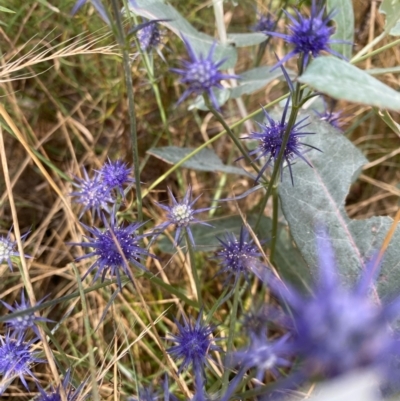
(97, 193)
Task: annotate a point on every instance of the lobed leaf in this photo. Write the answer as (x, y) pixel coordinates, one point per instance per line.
(341, 80)
(205, 160)
(318, 198)
(344, 19)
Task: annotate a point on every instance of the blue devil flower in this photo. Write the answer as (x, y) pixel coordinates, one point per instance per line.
(115, 175)
(182, 215)
(201, 74)
(54, 395)
(309, 36)
(237, 253)
(17, 358)
(193, 343)
(339, 329)
(92, 193)
(19, 325)
(270, 141)
(114, 247)
(7, 249)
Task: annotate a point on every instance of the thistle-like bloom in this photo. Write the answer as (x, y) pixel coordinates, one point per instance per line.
(182, 215)
(19, 325)
(114, 175)
(54, 395)
(194, 342)
(93, 194)
(340, 329)
(264, 355)
(7, 249)
(237, 253)
(16, 358)
(270, 142)
(331, 117)
(114, 247)
(265, 22)
(309, 36)
(201, 74)
(148, 34)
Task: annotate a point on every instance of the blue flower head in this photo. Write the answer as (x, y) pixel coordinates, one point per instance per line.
(236, 254)
(309, 36)
(7, 249)
(114, 248)
(19, 325)
(270, 141)
(265, 22)
(331, 117)
(115, 175)
(193, 344)
(54, 395)
(201, 74)
(339, 329)
(148, 35)
(182, 215)
(17, 358)
(92, 193)
(264, 355)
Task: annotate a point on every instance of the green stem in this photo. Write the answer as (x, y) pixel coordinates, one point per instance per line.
(232, 324)
(275, 209)
(196, 277)
(131, 105)
(228, 130)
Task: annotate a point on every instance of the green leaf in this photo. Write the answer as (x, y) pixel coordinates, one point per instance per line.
(246, 39)
(156, 9)
(344, 19)
(253, 80)
(341, 80)
(205, 160)
(318, 198)
(291, 265)
(6, 10)
(391, 8)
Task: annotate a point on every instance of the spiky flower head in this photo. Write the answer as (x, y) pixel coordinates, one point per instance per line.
(339, 329)
(7, 249)
(54, 395)
(309, 36)
(182, 215)
(193, 343)
(17, 358)
(264, 355)
(92, 193)
(236, 254)
(331, 117)
(148, 35)
(271, 138)
(20, 324)
(114, 248)
(265, 22)
(201, 74)
(115, 175)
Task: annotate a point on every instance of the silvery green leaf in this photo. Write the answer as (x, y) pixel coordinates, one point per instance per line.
(318, 198)
(246, 39)
(391, 9)
(205, 160)
(157, 9)
(344, 20)
(255, 79)
(341, 80)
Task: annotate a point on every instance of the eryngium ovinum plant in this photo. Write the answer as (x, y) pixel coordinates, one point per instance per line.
(209, 280)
